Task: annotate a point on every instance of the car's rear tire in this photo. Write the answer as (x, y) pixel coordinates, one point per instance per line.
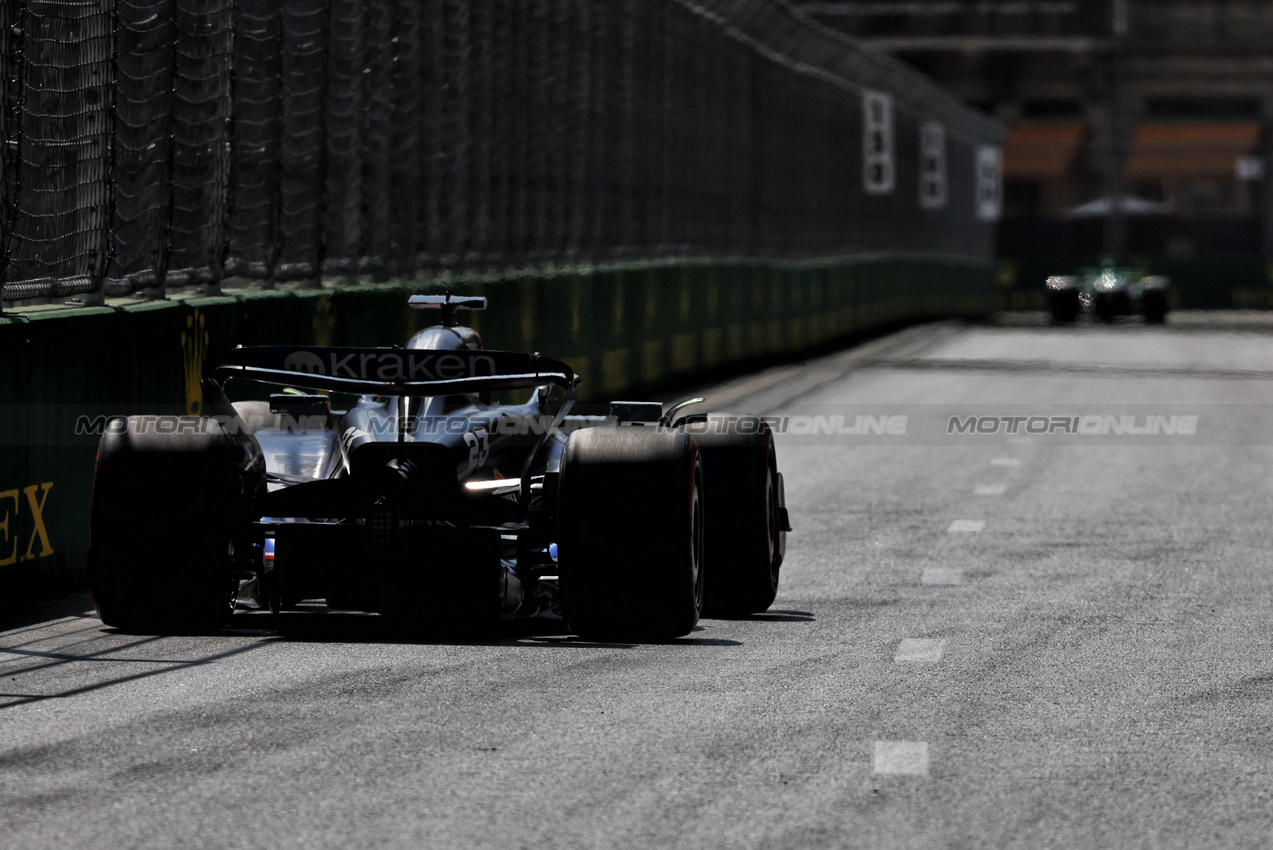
(1154, 306)
(745, 531)
(1103, 309)
(631, 533)
(167, 493)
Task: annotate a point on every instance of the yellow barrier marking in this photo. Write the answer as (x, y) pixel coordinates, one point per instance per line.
(617, 305)
(528, 316)
(755, 337)
(652, 360)
(737, 345)
(712, 346)
(37, 517)
(325, 323)
(614, 369)
(795, 333)
(576, 300)
(39, 531)
(12, 557)
(580, 365)
(194, 346)
(684, 354)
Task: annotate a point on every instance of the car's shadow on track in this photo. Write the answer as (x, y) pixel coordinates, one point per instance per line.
(348, 627)
(318, 625)
(573, 642)
(322, 626)
(776, 616)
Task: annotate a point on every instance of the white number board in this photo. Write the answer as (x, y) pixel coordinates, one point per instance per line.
(877, 143)
(932, 165)
(989, 183)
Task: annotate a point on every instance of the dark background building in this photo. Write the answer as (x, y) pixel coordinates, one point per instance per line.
(1138, 128)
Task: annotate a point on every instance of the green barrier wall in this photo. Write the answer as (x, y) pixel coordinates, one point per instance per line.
(626, 330)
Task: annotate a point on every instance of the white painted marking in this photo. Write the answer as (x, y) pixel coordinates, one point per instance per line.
(1006, 461)
(920, 650)
(907, 758)
(991, 489)
(942, 576)
(961, 525)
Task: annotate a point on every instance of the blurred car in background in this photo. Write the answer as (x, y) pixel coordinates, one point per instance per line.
(1106, 293)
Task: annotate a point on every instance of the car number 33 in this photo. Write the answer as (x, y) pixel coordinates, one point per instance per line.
(479, 445)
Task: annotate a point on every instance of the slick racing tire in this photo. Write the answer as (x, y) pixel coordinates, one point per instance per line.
(167, 492)
(1103, 309)
(1154, 306)
(1064, 306)
(631, 533)
(746, 534)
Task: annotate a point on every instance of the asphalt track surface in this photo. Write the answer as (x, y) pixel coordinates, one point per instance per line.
(981, 640)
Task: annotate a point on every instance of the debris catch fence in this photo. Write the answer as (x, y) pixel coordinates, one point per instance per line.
(147, 145)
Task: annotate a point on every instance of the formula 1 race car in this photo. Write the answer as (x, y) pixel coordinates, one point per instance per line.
(1106, 293)
(426, 502)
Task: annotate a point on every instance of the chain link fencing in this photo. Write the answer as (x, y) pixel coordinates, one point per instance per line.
(148, 145)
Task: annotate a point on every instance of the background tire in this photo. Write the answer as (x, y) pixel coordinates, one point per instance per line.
(1154, 306)
(631, 533)
(744, 533)
(1103, 309)
(167, 493)
(1064, 305)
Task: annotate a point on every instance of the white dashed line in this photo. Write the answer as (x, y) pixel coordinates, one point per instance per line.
(962, 525)
(942, 576)
(907, 758)
(1006, 461)
(991, 489)
(920, 651)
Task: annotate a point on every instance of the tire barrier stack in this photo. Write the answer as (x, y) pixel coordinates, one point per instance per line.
(651, 190)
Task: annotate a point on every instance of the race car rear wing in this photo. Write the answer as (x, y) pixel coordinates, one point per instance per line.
(387, 371)
(391, 372)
